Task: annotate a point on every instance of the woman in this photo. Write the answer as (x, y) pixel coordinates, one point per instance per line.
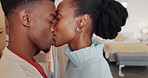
(77, 20)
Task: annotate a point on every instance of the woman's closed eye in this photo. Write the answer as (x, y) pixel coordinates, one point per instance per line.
(52, 20)
(59, 16)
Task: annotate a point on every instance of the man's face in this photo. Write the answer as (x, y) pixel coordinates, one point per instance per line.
(42, 18)
(65, 28)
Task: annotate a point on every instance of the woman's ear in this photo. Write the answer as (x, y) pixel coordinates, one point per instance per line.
(82, 22)
(24, 17)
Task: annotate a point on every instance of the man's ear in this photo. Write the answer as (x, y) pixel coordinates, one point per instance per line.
(24, 17)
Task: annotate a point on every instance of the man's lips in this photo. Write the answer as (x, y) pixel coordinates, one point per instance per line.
(54, 35)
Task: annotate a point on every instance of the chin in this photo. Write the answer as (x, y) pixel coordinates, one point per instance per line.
(58, 44)
(46, 50)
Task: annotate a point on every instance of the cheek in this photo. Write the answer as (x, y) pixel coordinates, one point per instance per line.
(46, 33)
(41, 32)
(65, 32)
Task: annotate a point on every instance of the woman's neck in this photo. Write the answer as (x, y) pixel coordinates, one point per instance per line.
(80, 43)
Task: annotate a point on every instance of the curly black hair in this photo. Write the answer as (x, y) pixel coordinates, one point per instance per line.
(9, 6)
(108, 16)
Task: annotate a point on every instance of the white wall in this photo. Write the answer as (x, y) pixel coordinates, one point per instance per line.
(138, 18)
(57, 2)
(138, 10)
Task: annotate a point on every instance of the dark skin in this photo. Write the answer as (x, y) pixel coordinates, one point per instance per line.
(71, 30)
(30, 29)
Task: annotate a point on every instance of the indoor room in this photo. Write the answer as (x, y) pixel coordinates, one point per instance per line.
(127, 54)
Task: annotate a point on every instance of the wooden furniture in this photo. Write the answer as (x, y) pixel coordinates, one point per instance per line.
(2, 31)
(2, 40)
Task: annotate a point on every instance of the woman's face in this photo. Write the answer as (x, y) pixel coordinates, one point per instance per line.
(65, 28)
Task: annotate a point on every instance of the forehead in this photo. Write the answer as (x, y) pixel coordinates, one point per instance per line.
(65, 8)
(65, 4)
(46, 6)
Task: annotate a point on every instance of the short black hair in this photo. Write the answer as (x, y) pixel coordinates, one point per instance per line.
(108, 16)
(9, 6)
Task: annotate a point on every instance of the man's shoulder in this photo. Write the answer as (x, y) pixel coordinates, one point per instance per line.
(9, 69)
(6, 63)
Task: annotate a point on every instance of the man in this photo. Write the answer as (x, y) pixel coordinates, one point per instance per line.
(30, 31)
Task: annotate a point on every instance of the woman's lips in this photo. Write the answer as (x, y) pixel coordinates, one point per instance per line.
(53, 38)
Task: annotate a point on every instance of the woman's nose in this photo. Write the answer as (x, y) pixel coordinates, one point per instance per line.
(52, 27)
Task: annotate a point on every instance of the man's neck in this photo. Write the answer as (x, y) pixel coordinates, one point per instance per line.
(21, 47)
